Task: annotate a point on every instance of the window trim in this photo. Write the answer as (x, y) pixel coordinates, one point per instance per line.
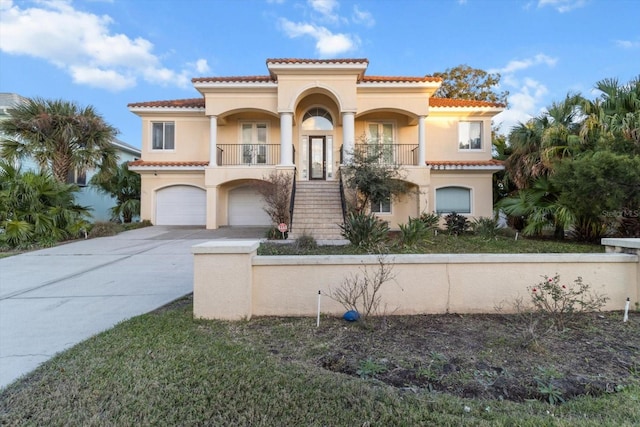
(482, 139)
(464, 187)
(380, 205)
(164, 122)
(387, 157)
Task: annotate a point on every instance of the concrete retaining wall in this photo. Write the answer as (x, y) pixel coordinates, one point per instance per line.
(232, 282)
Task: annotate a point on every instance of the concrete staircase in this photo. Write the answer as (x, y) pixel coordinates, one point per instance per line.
(317, 210)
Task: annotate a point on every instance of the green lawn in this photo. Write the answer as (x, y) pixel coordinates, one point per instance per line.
(165, 368)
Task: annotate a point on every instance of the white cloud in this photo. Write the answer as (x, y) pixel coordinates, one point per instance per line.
(201, 66)
(526, 95)
(628, 44)
(522, 64)
(83, 45)
(327, 43)
(324, 7)
(363, 17)
(103, 79)
(562, 6)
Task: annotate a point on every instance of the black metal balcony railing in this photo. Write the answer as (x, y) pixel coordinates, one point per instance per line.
(390, 154)
(248, 154)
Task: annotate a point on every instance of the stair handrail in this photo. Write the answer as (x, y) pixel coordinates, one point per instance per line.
(292, 201)
(343, 201)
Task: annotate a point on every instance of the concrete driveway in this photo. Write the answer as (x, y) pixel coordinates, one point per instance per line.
(52, 299)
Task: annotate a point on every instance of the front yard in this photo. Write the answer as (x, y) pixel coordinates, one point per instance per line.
(165, 368)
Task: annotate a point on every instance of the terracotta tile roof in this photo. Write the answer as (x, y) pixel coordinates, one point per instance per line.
(234, 79)
(458, 164)
(450, 102)
(397, 79)
(316, 61)
(175, 103)
(168, 164)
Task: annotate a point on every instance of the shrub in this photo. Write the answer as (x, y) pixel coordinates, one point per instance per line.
(274, 234)
(560, 302)
(456, 224)
(414, 232)
(306, 242)
(365, 230)
(431, 220)
(361, 293)
(104, 229)
(485, 227)
(275, 189)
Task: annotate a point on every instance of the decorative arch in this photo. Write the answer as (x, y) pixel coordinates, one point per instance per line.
(313, 89)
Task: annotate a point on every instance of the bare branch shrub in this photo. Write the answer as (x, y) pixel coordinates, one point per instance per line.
(275, 189)
(361, 291)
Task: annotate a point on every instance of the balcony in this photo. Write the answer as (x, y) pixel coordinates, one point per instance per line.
(248, 154)
(389, 154)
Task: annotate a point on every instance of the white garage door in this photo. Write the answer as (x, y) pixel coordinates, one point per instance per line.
(181, 205)
(245, 207)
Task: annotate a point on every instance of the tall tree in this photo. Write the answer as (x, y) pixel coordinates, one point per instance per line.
(613, 119)
(540, 142)
(60, 135)
(464, 82)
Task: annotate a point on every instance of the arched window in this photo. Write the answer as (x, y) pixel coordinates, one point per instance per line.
(317, 119)
(453, 199)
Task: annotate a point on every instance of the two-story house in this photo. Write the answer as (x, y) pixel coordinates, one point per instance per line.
(201, 156)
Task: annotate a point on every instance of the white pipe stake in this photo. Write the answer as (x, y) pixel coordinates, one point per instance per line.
(318, 321)
(626, 311)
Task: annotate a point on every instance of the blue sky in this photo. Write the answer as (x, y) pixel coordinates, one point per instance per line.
(108, 53)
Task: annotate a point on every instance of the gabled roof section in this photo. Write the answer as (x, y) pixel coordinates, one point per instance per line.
(317, 61)
(194, 103)
(461, 103)
(492, 164)
(356, 66)
(234, 79)
(151, 164)
(399, 79)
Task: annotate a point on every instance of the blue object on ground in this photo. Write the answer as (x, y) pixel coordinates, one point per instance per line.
(351, 316)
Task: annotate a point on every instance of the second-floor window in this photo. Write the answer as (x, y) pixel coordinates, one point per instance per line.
(163, 135)
(470, 135)
(381, 140)
(254, 143)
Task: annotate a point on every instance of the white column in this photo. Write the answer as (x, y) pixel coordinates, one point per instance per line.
(348, 136)
(213, 141)
(422, 144)
(286, 139)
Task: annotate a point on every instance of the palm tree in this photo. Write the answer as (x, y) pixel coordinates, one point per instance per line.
(540, 142)
(615, 114)
(124, 186)
(60, 136)
(35, 208)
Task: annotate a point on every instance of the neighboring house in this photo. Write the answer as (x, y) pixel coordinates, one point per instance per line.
(200, 156)
(99, 203)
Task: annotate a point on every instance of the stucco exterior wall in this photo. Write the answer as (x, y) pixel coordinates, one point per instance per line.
(191, 138)
(442, 139)
(151, 183)
(480, 183)
(442, 283)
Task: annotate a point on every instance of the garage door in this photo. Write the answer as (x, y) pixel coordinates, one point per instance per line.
(181, 205)
(245, 207)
